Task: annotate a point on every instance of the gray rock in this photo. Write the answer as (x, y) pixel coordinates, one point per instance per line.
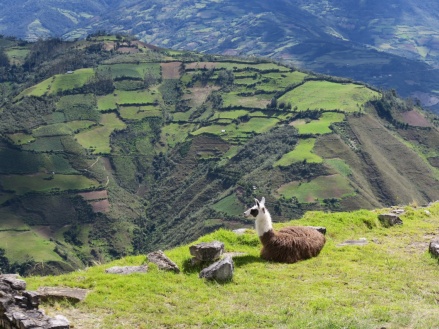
(433, 248)
(72, 294)
(58, 322)
(13, 281)
(207, 251)
(389, 219)
(162, 261)
(219, 271)
(240, 231)
(359, 242)
(127, 269)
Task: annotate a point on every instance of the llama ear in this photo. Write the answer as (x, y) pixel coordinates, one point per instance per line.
(257, 202)
(263, 201)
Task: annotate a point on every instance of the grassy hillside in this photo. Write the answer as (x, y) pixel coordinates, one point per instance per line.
(390, 282)
(111, 147)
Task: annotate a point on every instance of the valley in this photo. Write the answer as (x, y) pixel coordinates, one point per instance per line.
(115, 147)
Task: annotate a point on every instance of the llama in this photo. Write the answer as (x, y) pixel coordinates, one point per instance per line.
(289, 244)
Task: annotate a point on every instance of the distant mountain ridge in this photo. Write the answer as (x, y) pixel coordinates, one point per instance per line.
(392, 44)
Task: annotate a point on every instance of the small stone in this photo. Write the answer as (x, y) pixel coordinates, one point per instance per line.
(162, 261)
(127, 269)
(389, 219)
(58, 322)
(359, 242)
(433, 248)
(240, 231)
(220, 271)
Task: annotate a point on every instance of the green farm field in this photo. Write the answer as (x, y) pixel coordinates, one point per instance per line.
(132, 70)
(59, 129)
(23, 184)
(139, 112)
(97, 139)
(302, 152)
(322, 187)
(347, 97)
(320, 126)
(60, 82)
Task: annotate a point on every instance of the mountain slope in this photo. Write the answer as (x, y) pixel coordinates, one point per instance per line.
(111, 147)
(390, 44)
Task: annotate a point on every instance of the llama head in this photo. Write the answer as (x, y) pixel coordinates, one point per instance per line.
(258, 208)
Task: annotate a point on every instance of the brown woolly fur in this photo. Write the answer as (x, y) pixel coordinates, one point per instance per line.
(291, 244)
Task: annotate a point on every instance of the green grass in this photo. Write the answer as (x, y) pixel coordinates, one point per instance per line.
(60, 82)
(22, 184)
(329, 96)
(320, 126)
(17, 55)
(97, 139)
(302, 152)
(42, 249)
(391, 282)
(322, 187)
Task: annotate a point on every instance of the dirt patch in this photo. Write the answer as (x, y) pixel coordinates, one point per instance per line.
(109, 45)
(426, 99)
(201, 65)
(127, 50)
(171, 70)
(95, 195)
(100, 206)
(199, 95)
(44, 231)
(416, 119)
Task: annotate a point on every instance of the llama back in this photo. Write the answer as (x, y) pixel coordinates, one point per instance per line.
(291, 244)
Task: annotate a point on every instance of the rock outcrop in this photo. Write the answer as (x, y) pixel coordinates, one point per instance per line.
(19, 308)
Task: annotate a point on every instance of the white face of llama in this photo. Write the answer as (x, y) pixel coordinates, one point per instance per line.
(258, 208)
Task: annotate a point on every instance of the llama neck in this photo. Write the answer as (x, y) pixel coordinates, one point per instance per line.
(263, 223)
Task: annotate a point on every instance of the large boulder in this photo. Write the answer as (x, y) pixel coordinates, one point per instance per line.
(207, 251)
(221, 271)
(162, 261)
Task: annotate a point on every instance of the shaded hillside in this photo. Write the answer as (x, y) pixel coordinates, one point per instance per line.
(111, 147)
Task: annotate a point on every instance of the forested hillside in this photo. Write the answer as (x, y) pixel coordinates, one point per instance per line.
(111, 146)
